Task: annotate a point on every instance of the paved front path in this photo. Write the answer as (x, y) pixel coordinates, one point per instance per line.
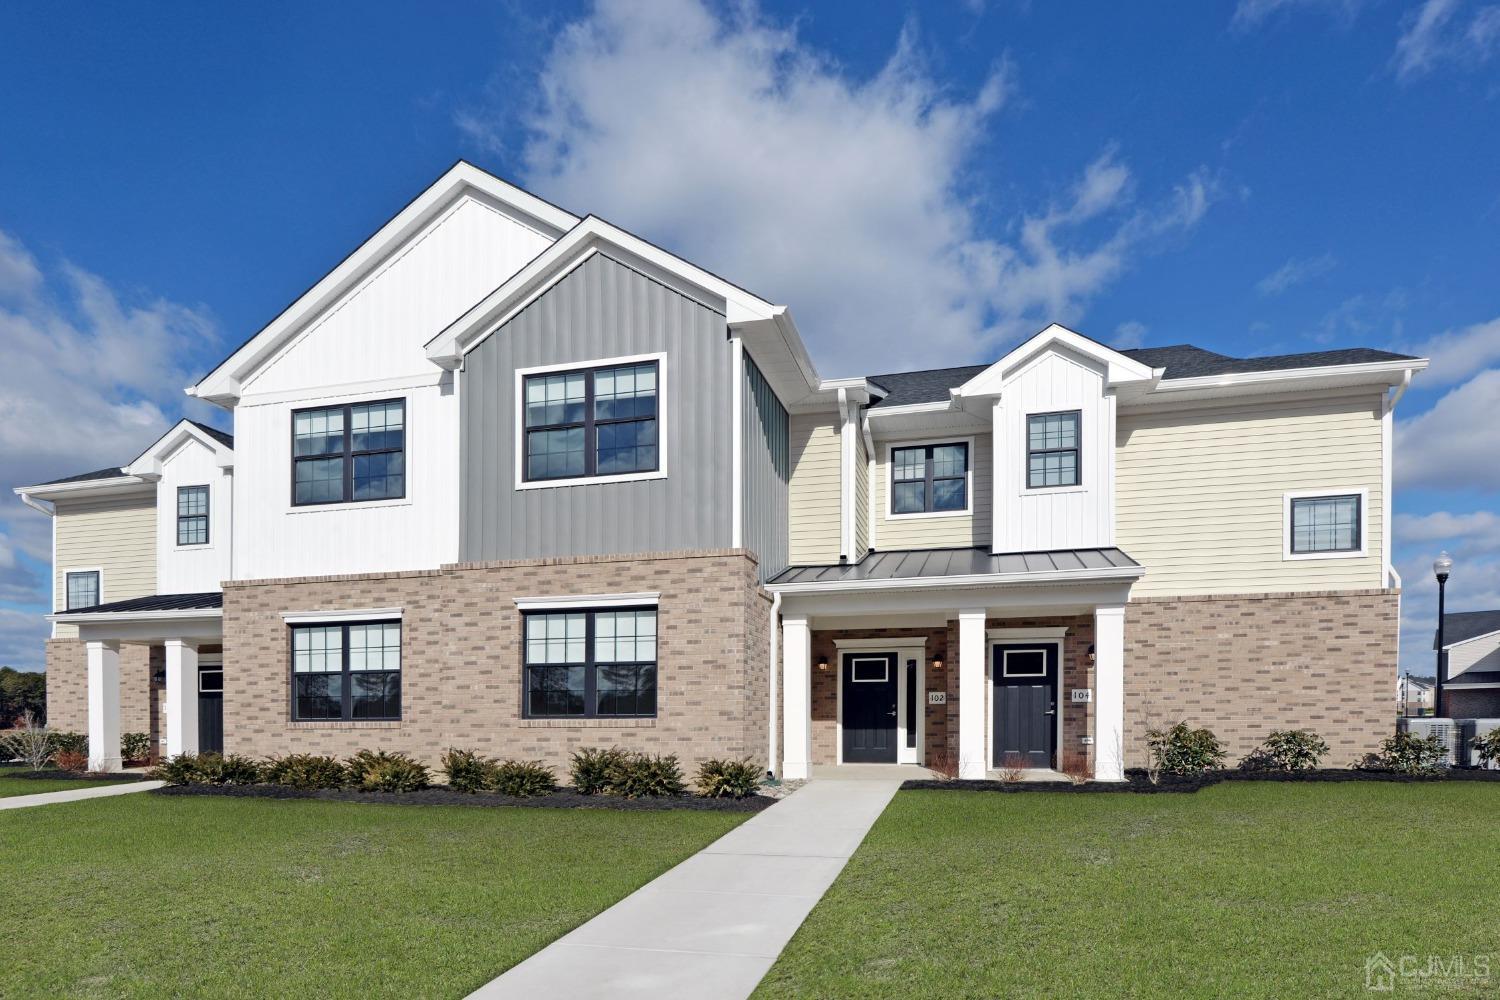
(78, 794)
(711, 927)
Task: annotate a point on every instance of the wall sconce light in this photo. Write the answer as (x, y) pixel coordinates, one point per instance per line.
(937, 663)
(1091, 652)
(822, 662)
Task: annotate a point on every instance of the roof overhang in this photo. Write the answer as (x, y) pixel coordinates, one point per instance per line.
(1118, 368)
(203, 624)
(1114, 574)
(222, 384)
(148, 464)
(1493, 636)
(84, 489)
(1379, 374)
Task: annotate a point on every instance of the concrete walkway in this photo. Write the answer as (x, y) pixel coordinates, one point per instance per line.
(78, 794)
(711, 927)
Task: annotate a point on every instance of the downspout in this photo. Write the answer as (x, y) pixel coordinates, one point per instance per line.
(773, 766)
(846, 476)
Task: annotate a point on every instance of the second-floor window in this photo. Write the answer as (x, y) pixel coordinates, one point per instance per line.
(348, 453)
(1052, 449)
(192, 515)
(930, 478)
(1325, 524)
(83, 589)
(591, 422)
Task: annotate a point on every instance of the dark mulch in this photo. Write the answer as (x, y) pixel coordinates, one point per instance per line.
(55, 773)
(1137, 782)
(564, 799)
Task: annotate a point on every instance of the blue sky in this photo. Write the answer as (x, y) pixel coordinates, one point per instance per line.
(923, 183)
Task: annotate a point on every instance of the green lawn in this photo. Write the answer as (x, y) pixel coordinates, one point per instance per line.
(11, 785)
(146, 895)
(1269, 890)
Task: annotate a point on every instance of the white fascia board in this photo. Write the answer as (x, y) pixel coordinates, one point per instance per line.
(1379, 372)
(1072, 576)
(592, 234)
(84, 487)
(222, 385)
(1120, 369)
(566, 602)
(1472, 638)
(148, 464)
(329, 617)
(106, 617)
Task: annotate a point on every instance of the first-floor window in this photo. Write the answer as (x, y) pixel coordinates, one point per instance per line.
(83, 589)
(591, 663)
(346, 671)
(1325, 524)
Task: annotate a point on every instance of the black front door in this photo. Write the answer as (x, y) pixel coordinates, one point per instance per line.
(211, 709)
(1025, 705)
(869, 708)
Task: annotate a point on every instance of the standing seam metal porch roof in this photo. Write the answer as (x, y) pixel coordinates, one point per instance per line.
(915, 564)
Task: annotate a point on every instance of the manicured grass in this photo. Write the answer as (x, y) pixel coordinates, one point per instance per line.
(146, 895)
(1262, 890)
(11, 785)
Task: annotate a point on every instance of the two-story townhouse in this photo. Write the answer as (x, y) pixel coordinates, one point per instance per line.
(516, 480)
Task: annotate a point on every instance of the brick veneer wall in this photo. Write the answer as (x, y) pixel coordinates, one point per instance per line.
(1245, 664)
(462, 659)
(68, 687)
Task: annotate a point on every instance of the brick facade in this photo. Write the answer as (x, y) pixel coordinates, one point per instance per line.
(68, 688)
(1243, 665)
(462, 659)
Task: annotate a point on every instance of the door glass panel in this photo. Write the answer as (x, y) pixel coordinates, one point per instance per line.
(1024, 663)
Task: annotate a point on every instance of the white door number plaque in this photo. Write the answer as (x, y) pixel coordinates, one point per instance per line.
(1082, 694)
(937, 697)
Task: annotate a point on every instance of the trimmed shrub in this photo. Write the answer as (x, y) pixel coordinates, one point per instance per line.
(179, 770)
(523, 778)
(468, 771)
(592, 767)
(1408, 753)
(1487, 747)
(644, 775)
(70, 742)
(135, 746)
(227, 769)
(387, 771)
(733, 779)
(1287, 750)
(1184, 750)
(306, 771)
(71, 760)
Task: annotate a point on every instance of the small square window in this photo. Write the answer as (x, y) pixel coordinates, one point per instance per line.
(1326, 524)
(83, 589)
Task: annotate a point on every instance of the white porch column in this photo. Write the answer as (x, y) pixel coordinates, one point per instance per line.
(1109, 693)
(182, 697)
(104, 705)
(971, 694)
(796, 672)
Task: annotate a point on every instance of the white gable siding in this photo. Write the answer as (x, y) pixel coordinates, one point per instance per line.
(192, 569)
(1027, 520)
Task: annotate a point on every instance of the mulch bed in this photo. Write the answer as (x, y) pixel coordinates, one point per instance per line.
(54, 774)
(1136, 781)
(564, 799)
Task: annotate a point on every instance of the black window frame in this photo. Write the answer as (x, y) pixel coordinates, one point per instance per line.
(68, 604)
(1076, 450)
(184, 518)
(590, 423)
(350, 452)
(346, 695)
(590, 664)
(1359, 524)
(929, 480)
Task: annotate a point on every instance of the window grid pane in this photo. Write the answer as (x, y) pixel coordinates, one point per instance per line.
(83, 590)
(1052, 450)
(318, 432)
(1325, 524)
(317, 649)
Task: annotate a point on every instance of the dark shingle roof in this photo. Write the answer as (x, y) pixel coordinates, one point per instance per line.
(1473, 677)
(1180, 361)
(928, 563)
(227, 440)
(157, 602)
(111, 473)
(1459, 626)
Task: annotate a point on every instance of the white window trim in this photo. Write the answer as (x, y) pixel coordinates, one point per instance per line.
(905, 648)
(337, 617)
(1364, 523)
(587, 602)
(63, 597)
(890, 484)
(519, 416)
(202, 668)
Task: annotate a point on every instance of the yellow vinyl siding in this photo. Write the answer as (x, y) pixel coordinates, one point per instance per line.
(116, 535)
(936, 532)
(1200, 494)
(813, 536)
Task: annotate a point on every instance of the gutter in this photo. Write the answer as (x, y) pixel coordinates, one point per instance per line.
(1288, 375)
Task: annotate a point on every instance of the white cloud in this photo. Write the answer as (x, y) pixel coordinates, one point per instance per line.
(732, 141)
(1295, 271)
(1253, 13)
(1434, 34)
(1129, 335)
(1476, 531)
(1458, 354)
(1453, 445)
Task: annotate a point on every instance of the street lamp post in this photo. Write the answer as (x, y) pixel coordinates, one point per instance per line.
(1441, 567)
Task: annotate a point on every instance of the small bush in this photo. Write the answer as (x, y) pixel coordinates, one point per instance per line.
(644, 775)
(179, 770)
(1183, 750)
(467, 771)
(1076, 767)
(592, 768)
(731, 779)
(1487, 747)
(944, 764)
(226, 769)
(387, 771)
(306, 771)
(1287, 750)
(523, 778)
(71, 760)
(135, 746)
(70, 742)
(1408, 753)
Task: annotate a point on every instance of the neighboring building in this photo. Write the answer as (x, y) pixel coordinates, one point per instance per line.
(1414, 696)
(516, 480)
(1471, 651)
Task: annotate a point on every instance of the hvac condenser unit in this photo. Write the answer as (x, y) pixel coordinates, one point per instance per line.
(1446, 730)
(1474, 728)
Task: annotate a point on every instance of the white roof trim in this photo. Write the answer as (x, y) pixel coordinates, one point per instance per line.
(62, 491)
(105, 617)
(148, 464)
(223, 383)
(1066, 576)
(1119, 368)
(1472, 638)
(565, 602)
(1380, 369)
